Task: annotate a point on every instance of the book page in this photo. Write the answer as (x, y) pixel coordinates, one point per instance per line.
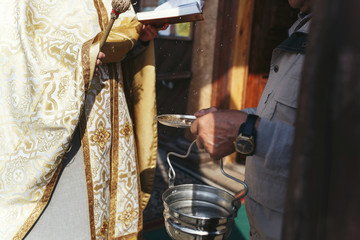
(176, 3)
(187, 11)
(179, 11)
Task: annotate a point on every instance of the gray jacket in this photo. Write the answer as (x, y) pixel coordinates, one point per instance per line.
(267, 171)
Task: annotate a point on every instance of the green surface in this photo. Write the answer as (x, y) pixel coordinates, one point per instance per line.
(241, 227)
(240, 230)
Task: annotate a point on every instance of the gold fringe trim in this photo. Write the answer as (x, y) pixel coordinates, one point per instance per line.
(30, 221)
(89, 183)
(102, 14)
(132, 236)
(85, 62)
(114, 158)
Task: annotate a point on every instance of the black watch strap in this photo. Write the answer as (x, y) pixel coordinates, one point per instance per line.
(248, 128)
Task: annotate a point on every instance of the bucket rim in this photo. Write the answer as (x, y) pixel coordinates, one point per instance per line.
(233, 210)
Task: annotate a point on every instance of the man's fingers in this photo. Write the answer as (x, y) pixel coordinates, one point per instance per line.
(194, 130)
(153, 31)
(165, 26)
(194, 127)
(202, 112)
(101, 55)
(199, 144)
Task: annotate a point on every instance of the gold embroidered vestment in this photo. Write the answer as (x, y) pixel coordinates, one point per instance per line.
(48, 52)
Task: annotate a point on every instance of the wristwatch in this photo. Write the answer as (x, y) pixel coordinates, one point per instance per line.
(245, 141)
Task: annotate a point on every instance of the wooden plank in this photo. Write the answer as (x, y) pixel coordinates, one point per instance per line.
(240, 65)
(270, 24)
(231, 56)
(224, 52)
(200, 91)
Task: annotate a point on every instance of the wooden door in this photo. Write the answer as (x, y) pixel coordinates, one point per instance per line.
(271, 20)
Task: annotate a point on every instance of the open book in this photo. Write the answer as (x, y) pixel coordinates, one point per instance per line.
(173, 11)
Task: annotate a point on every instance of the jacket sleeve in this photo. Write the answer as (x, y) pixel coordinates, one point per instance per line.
(249, 110)
(274, 144)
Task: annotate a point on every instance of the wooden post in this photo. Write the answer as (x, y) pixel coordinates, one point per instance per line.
(323, 193)
(232, 49)
(240, 64)
(203, 59)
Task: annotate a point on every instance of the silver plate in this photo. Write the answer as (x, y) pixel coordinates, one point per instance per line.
(176, 120)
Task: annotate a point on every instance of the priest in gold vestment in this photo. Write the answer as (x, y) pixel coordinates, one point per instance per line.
(47, 91)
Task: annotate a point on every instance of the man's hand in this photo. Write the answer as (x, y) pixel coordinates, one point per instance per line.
(202, 112)
(150, 32)
(216, 130)
(99, 59)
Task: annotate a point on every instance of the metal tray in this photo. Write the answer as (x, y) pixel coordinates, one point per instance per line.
(176, 120)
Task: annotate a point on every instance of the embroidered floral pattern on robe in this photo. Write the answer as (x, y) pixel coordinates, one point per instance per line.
(101, 136)
(48, 51)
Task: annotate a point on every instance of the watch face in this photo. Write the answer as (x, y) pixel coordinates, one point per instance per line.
(244, 145)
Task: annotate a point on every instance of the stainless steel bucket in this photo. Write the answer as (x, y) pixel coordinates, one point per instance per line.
(194, 211)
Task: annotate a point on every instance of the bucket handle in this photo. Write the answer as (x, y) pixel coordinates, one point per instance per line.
(246, 188)
(172, 174)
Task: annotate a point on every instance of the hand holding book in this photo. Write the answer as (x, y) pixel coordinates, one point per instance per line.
(149, 32)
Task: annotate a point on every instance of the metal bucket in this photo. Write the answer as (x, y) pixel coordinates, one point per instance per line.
(194, 211)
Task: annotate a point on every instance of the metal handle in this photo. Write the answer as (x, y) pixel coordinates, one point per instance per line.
(246, 188)
(172, 174)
